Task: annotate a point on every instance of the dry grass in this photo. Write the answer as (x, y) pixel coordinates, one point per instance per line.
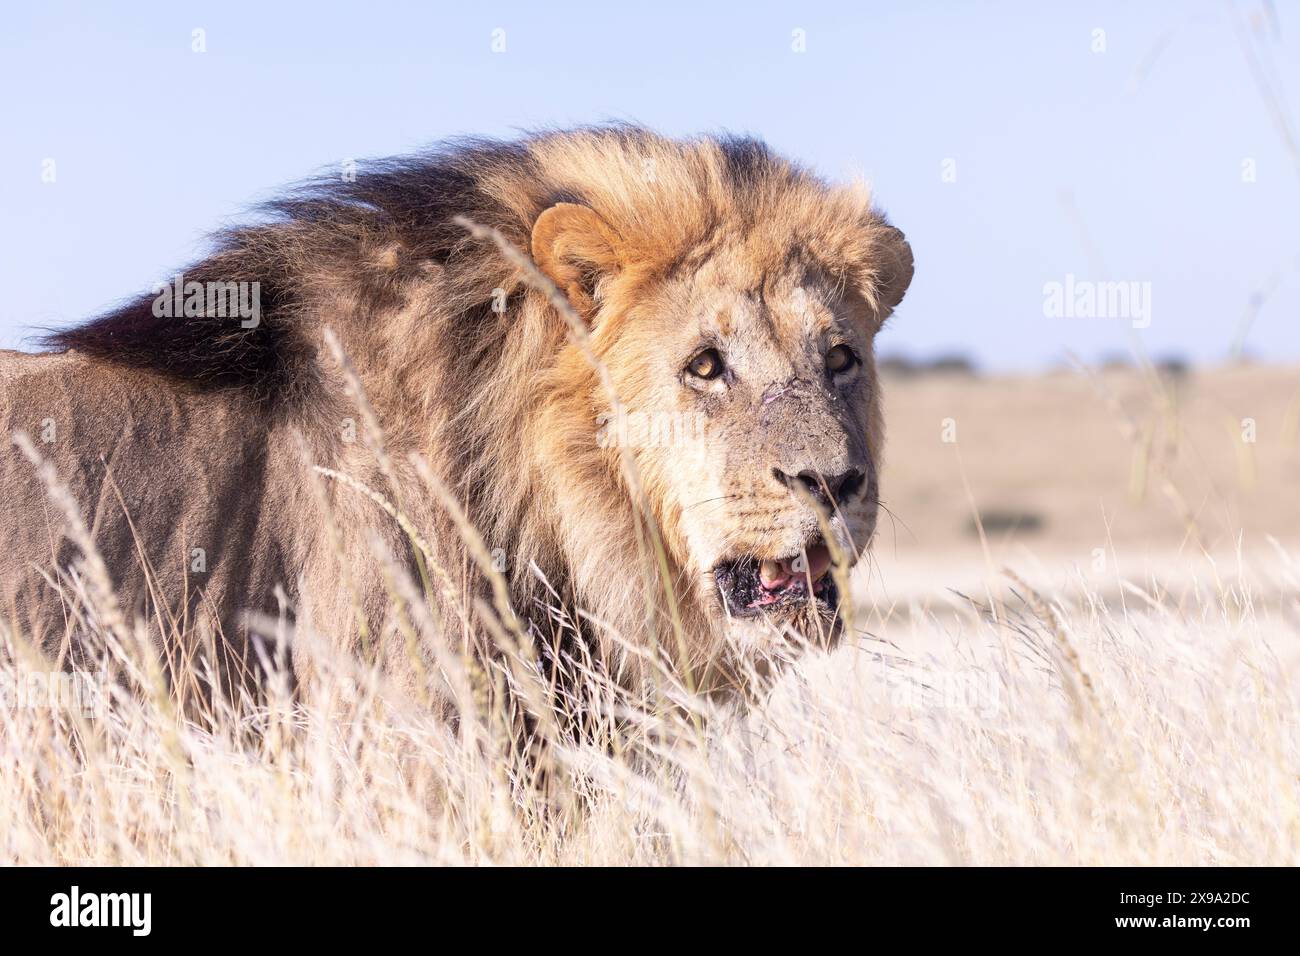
(1159, 729)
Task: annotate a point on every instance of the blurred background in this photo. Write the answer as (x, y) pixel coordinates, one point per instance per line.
(1023, 147)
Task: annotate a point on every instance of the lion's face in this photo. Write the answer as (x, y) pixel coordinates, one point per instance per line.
(745, 374)
(751, 413)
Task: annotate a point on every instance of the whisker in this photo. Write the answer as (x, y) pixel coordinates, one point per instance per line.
(710, 500)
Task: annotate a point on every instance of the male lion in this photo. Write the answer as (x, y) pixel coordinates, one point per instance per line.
(668, 478)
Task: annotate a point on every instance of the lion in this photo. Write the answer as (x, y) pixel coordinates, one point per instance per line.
(676, 458)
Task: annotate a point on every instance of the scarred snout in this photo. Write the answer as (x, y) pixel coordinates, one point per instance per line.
(812, 444)
(829, 491)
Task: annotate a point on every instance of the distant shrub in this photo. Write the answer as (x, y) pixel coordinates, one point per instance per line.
(1114, 361)
(1003, 522)
(958, 364)
(1173, 366)
(897, 365)
(906, 367)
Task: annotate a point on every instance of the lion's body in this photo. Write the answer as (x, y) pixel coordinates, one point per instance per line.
(90, 419)
(210, 429)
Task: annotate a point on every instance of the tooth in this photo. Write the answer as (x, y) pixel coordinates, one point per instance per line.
(770, 572)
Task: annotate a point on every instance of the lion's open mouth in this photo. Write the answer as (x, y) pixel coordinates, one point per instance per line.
(749, 586)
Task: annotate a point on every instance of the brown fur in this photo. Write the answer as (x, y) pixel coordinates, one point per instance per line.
(209, 430)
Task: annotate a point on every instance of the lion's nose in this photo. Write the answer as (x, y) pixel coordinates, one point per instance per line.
(827, 490)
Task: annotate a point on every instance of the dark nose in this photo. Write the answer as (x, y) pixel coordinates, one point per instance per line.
(827, 490)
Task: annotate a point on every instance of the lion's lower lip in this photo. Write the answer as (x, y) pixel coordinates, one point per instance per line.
(749, 586)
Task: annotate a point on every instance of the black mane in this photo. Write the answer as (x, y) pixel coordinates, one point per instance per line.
(327, 221)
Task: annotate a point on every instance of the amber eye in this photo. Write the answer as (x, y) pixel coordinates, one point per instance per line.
(708, 364)
(840, 359)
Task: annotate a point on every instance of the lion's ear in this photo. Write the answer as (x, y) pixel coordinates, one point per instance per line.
(575, 247)
(893, 268)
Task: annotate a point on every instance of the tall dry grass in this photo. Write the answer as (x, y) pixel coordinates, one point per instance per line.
(1139, 728)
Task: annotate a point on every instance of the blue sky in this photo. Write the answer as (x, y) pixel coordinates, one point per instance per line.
(1117, 165)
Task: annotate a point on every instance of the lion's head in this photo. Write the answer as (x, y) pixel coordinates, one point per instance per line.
(734, 300)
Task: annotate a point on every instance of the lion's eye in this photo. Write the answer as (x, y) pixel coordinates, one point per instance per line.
(840, 359)
(708, 364)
